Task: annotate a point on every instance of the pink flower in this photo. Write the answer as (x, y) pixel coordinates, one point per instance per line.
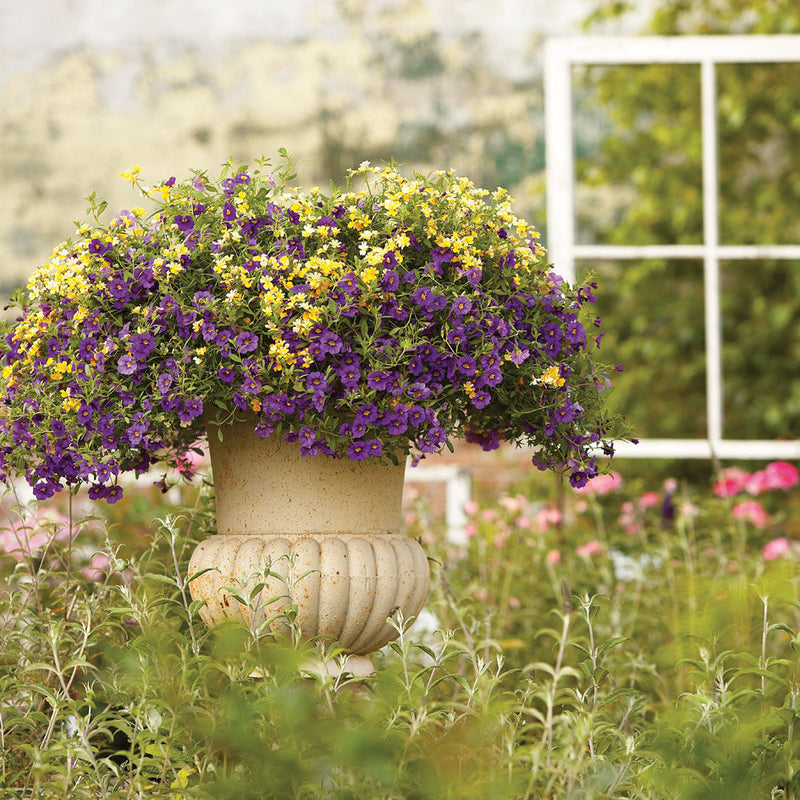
(513, 602)
(547, 517)
(96, 570)
(731, 481)
(777, 475)
(782, 475)
(500, 539)
(28, 537)
(512, 503)
(591, 548)
(188, 463)
(553, 557)
(602, 484)
(776, 548)
(649, 500)
(670, 485)
(751, 512)
(471, 507)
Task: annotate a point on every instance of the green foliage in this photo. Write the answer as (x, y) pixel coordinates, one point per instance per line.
(646, 165)
(604, 650)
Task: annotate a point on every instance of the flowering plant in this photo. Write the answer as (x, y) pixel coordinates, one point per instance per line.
(385, 318)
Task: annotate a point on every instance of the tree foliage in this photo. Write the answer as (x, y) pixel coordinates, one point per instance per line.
(643, 182)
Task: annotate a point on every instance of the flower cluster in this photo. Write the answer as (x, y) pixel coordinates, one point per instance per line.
(385, 318)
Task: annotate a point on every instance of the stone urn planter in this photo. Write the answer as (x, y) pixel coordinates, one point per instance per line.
(316, 533)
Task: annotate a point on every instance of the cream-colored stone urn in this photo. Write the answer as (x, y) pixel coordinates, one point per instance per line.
(319, 533)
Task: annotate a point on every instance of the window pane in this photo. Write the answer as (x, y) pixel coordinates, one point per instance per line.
(652, 313)
(760, 349)
(638, 153)
(759, 153)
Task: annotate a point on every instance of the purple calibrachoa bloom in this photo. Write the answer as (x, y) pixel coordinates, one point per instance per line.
(246, 342)
(142, 345)
(184, 222)
(126, 364)
(374, 323)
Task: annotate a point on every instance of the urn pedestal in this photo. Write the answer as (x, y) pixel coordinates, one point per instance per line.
(314, 532)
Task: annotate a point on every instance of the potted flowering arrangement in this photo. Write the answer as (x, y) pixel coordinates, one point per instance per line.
(384, 319)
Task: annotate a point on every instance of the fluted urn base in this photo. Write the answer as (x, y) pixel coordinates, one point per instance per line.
(343, 588)
(313, 535)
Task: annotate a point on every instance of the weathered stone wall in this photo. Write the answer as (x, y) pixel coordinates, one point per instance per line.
(89, 88)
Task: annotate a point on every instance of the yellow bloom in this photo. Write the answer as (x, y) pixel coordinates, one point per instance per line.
(551, 377)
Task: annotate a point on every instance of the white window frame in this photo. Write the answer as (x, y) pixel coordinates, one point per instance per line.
(561, 54)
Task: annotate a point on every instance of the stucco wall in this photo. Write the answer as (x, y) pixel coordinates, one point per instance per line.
(89, 88)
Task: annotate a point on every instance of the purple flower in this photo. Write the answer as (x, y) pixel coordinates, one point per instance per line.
(519, 356)
(395, 422)
(98, 248)
(575, 333)
(578, 479)
(390, 280)
(118, 288)
(246, 342)
(307, 440)
(317, 382)
(142, 345)
(330, 343)
(85, 414)
(418, 391)
(190, 409)
(359, 450)
(226, 374)
(44, 490)
(438, 302)
(126, 364)
(379, 379)
(374, 447)
(208, 330)
(228, 212)
(113, 494)
(367, 414)
(461, 306)
(466, 365)
(348, 283)
(416, 416)
(423, 297)
(184, 222)
(263, 428)
(480, 399)
(250, 385)
(353, 430)
(474, 275)
(439, 256)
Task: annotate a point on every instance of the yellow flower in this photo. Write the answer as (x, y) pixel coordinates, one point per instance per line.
(551, 377)
(131, 176)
